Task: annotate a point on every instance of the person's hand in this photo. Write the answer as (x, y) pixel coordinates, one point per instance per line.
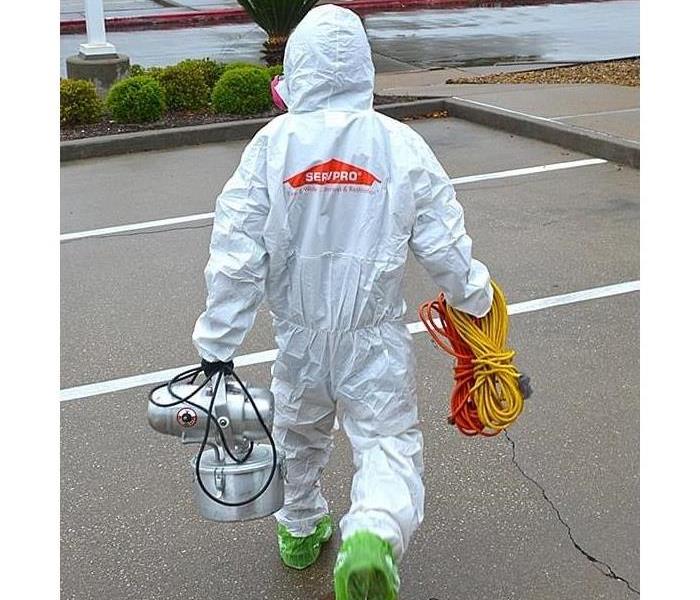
(212, 368)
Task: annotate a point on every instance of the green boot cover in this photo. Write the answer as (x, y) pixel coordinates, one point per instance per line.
(302, 552)
(365, 569)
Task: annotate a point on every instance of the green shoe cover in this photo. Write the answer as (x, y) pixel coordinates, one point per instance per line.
(365, 569)
(302, 552)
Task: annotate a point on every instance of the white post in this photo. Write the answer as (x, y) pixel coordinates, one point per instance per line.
(97, 44)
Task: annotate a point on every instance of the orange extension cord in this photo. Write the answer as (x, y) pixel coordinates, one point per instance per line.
(486, 397)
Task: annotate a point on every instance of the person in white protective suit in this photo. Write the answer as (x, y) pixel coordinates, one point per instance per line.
(318, 219)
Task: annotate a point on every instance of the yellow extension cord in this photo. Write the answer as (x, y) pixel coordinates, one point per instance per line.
(486, 380)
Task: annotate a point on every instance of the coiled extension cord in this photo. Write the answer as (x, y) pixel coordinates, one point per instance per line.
(487, 395)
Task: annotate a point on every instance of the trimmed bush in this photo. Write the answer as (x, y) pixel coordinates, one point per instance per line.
(242, 91)
(274, 70)
(136, 70)
(137, 99)
(155, 72)
(79, 102)
(241, 65)
(210, 69)
(185, 87)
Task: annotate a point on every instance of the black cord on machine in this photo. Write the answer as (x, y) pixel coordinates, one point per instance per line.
(220, 371)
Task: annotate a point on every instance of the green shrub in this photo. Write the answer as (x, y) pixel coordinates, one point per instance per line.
(79, 102)
(240, 65)
(274, 70)
(154, 72)
(137, 99)
(185, 87)
(136, 70)
(210, 69)
(242, 91)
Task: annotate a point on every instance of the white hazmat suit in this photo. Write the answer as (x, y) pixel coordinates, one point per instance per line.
(318, 219)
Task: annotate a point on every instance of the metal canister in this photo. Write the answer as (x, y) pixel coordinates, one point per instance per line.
(233, 483)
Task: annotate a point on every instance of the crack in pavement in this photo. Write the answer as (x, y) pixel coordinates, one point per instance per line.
(604, 567)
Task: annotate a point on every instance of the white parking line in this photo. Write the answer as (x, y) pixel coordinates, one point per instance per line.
(256, 358)
(135, 226)
(596, 114)
(556, 120)
(508, 110)
(528, 170)
(207, 216)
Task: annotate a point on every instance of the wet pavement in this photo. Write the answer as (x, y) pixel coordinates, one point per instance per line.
(504, 516)
(547, 33)
(414, 39)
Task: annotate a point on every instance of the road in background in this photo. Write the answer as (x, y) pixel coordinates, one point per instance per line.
(414, 39)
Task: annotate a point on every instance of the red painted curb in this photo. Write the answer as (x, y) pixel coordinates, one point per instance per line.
(238, 15)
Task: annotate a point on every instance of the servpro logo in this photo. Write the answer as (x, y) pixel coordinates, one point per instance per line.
(332, 172)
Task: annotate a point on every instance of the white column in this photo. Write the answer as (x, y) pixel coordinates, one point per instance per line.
(97, 44)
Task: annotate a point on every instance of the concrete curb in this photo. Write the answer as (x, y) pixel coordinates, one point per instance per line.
(590, 142)
(161, 139)
(587, 141)
(224, 16)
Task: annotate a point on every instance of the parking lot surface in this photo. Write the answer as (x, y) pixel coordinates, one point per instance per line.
(549, 511)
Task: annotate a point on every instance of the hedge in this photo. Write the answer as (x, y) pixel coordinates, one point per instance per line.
(242, 91)
(80, 103)
(137, 99)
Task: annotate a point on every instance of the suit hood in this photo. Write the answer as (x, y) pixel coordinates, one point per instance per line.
(328, 63)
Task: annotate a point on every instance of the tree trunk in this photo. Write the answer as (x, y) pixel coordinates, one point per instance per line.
(273, 49)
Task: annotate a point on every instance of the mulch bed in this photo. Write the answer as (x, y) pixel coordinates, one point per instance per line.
(185, 119)
(615, 72)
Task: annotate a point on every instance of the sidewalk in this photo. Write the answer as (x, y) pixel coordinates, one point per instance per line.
(607, 109)
(75, 9)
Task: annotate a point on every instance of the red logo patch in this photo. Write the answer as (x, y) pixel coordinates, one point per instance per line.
(332, 172)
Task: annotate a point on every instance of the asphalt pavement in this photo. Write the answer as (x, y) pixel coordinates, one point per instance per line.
(551, 511)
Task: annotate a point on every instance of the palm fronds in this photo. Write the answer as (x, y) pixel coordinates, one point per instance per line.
(277, 17)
